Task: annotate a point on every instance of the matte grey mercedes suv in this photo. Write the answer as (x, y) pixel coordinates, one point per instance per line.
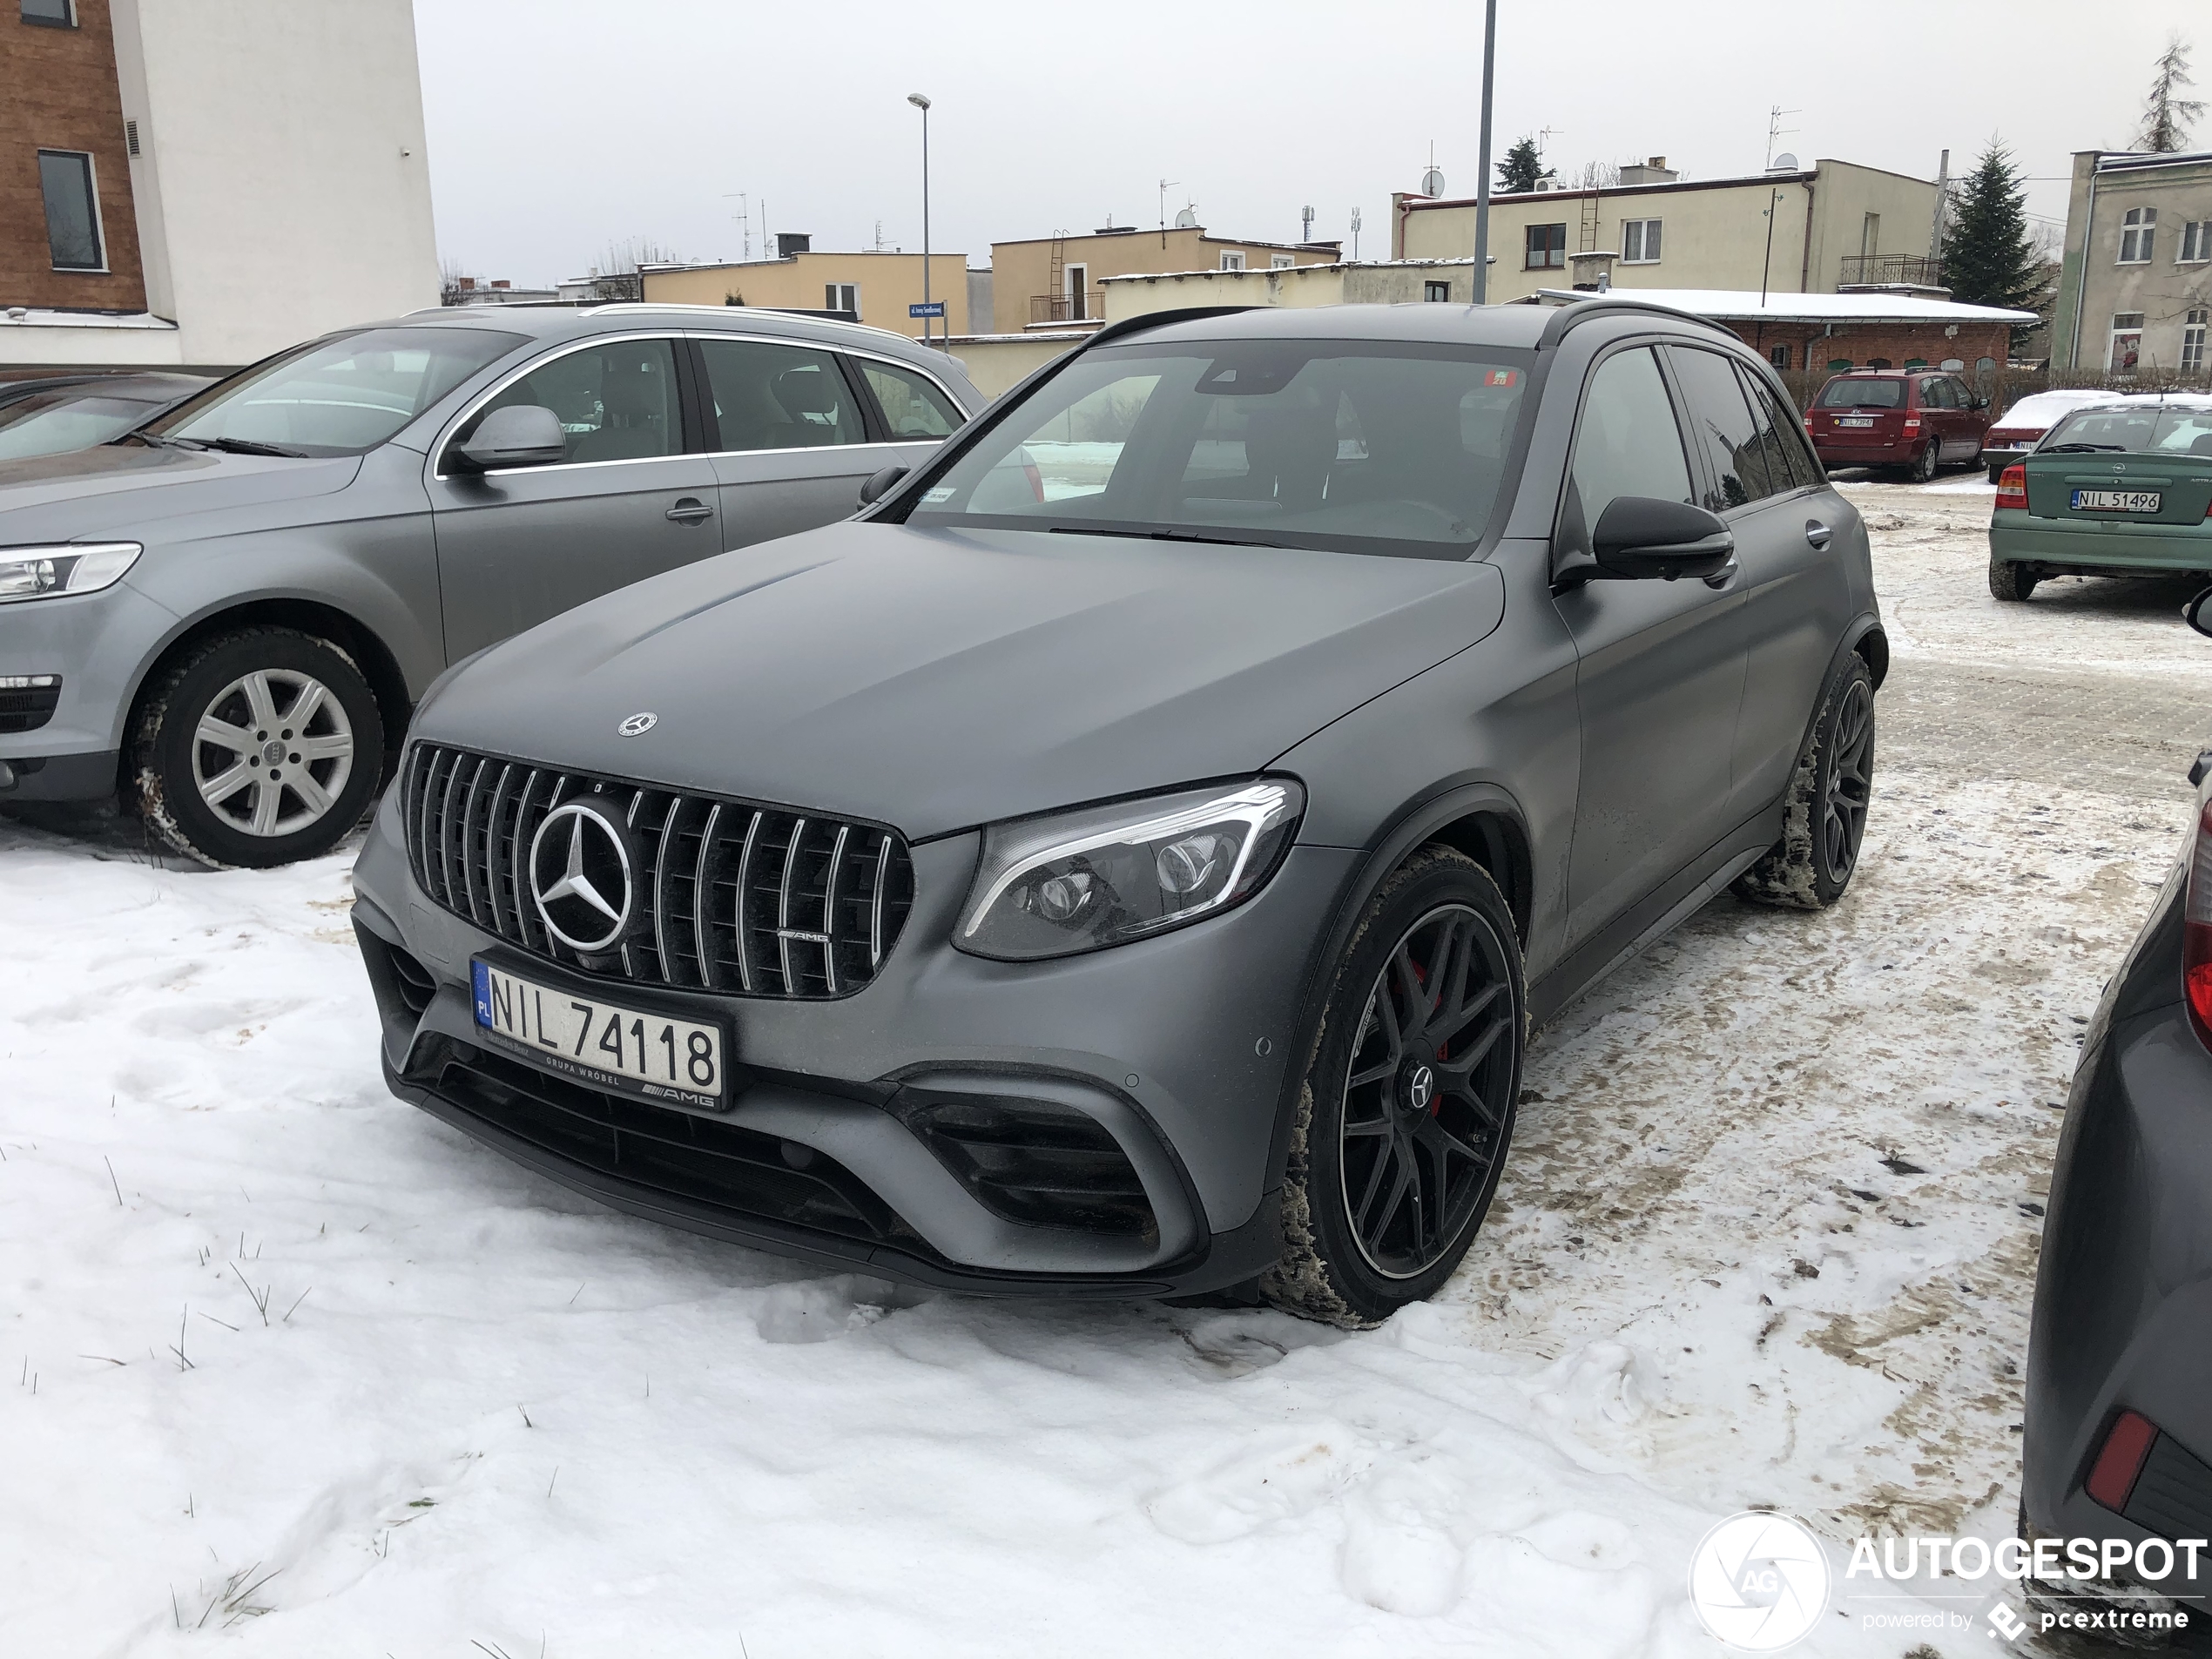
(225, 613)
(1128, 860)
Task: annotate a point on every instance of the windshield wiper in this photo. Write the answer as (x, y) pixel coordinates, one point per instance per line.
(248, 447)
(161, 440)
(2086, 449)
(1163, 535)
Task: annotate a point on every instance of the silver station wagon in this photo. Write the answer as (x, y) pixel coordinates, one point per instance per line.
(227, 615)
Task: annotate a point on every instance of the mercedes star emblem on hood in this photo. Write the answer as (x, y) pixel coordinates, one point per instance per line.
(580, 876)
(638, 725)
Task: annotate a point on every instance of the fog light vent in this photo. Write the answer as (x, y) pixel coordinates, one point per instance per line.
(1032, 1161)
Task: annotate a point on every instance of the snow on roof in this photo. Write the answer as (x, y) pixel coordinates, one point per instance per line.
(1729, 303)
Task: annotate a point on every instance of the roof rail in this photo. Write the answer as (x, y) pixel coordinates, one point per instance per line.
(1577, 306)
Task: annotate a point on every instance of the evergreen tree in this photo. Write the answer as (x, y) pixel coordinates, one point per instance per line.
(2167, 115)
(1988, 259)
(1520, 169)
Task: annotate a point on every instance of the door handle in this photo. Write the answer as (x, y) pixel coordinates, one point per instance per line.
(691, 510)
(1817, 533)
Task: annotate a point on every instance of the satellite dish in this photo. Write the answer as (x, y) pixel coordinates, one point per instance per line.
(1432, 183)
(1784, 163)
(1187, 219)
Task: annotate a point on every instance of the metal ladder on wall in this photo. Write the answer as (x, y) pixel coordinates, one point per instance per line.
(1056, 285)
(1586, 241)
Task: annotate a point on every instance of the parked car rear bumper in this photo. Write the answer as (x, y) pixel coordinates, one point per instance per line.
(1866, 455)
(2020, 538)
(2123, 1307)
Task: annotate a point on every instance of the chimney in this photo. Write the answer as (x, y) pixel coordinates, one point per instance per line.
(467, 283)
(789, 244)
(502, 282)
(1652, 170)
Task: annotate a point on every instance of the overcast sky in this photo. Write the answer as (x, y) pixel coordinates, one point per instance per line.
(557, 128)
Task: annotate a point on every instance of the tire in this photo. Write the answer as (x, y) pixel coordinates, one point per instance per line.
(2010, 581)
(1997, 474)
(1927, 463)
(212, 799)
(1387, 1133)
(1825, 819)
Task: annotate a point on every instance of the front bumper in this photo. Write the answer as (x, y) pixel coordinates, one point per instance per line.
(2123, 1302)
(2069, 545)
(100, 643)
(1179, 1048)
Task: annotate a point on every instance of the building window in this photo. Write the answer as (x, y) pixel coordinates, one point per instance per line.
(2196, 242)
(1837, 365)
(1640, 242)
(2127, 342)
(1547, 247)
(1437, 293)
(2136, 232)
(1779, 356)
(55, 13)
(2193, 338)
(841, 296)
(1232, 261)
(72, 210)
(1280, 261)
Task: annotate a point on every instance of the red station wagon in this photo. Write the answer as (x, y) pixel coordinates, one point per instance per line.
(1915, 420)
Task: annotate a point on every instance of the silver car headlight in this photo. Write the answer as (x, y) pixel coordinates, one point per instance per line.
(1083, 880)
(41, 572)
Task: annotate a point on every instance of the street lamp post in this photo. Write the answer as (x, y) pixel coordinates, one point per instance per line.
(921, 103)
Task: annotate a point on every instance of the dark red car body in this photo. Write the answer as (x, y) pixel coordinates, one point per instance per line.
(1897, 417)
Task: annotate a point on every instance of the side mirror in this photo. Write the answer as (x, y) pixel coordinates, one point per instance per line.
(522, 435)
(878, 484)
(1980, 403)
(1638, 537)
(2198, 612)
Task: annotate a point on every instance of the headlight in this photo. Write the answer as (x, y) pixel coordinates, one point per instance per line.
(1052, 886)
(37, 572)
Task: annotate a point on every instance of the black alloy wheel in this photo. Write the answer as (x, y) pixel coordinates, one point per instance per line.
(1408, 1103)
(1824, 820)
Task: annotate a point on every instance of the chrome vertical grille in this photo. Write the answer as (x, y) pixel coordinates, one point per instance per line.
(727, 895)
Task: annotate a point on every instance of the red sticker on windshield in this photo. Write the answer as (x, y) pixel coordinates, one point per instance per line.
(1502, 377)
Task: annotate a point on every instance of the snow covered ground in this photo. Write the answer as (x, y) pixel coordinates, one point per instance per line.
(304, 1372)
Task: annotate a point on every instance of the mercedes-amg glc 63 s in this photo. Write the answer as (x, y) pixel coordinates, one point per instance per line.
(1128, 858)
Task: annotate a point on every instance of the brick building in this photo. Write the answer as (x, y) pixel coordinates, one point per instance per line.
(186, 183)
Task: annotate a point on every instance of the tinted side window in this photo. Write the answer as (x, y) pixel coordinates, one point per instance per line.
(1935, 395)
(1797, 456)
(1780, 476)
(1720, 423)
(913, 405)
(1628, 443)
(766, 396)
(615, 402)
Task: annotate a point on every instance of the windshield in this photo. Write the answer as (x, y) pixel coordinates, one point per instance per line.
(1862, 394)
(336, 397)
(52, 423)
(2144, 429)
(1345, 445)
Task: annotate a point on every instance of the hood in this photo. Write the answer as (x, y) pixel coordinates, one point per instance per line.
(937, 680)
(123, 490)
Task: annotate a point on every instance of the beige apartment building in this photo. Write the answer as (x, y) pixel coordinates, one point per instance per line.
(2136, 288)
(1049, 281)
(1835, 224)
(878, 287)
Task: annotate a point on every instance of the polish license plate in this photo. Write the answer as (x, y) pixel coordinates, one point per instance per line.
(602, 1043)
(1854, 420)
(2117, 500)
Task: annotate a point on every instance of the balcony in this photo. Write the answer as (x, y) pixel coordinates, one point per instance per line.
(1085, 307)
(1889, 271)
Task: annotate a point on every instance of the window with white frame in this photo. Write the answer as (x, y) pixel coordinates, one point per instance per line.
(2196, 242)
(2138, 228)
(2193, 337)
(1640, 242)
(1232, 261)
(2127, 342)
(841, 296)
(1280, 261)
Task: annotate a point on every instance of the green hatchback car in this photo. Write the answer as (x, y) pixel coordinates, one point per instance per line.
(2114, 489)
